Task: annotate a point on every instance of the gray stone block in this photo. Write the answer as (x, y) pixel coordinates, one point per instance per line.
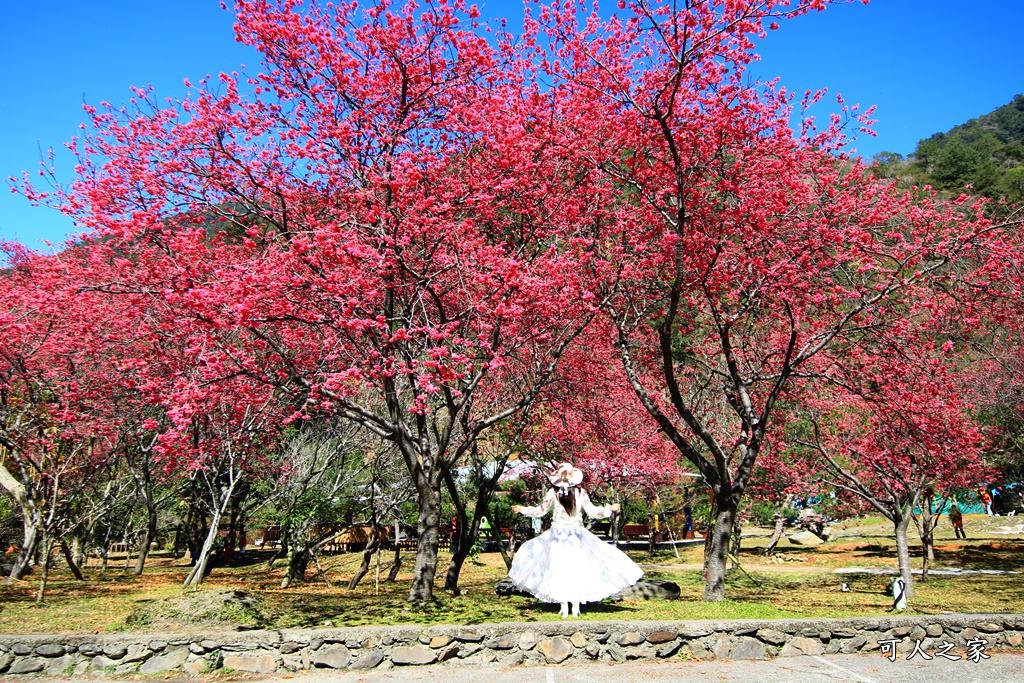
(722, 647)
(165, 662)
(367, 660)
(5, 661)
(115, 651)
(50, 650)
(505, 642)
(468, 636)
(670, 650)
(27, 665)
(802, 646)
(136, 653)
(252, 663)
(415, 655)
(555, 650)
(853, 645)
(61, 665)
(771, 636)
(103, 662)
(126, 669)
(196, 666)
(528, 640)
(630, 638)
(332, 657)
(615, 652)
(748, 648)
(470, 650)
(699, 650)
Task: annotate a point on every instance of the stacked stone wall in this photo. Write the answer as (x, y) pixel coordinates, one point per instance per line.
(508, 644)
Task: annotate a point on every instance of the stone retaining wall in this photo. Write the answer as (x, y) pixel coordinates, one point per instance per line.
(508, 644)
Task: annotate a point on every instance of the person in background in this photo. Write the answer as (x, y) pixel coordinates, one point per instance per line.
(242, 542)
(985, 498)
(956, 519)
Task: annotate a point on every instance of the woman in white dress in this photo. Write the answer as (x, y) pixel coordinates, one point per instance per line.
(568, 564)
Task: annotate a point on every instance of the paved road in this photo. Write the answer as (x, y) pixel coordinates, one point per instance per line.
(1000, 668)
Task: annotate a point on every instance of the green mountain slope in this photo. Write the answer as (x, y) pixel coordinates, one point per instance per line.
(986, 153)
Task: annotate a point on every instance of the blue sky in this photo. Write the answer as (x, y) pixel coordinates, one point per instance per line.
(926, 64)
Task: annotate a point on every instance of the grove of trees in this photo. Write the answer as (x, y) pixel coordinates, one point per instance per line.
(413, 247)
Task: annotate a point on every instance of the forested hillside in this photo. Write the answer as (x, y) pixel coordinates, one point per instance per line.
(986, 153)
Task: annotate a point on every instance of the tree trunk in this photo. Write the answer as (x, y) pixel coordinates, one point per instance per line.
(28, 548)
(148, 535)
(926, 526)
(717, 550)
(372, 547)
(198, 573)
(780, 527)
(282, 549)
(72, 565)
(78, 550)
(736, 542)
(903, 553)
(298, 561)
(44, 567)
(496, 537)
(428, 527)
(396, 564)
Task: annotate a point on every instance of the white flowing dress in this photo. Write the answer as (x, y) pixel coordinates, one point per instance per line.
(567, 563)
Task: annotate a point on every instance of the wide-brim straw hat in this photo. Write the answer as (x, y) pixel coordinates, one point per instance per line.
(566, 474)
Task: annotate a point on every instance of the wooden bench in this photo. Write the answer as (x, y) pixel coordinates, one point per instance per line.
(634, 530)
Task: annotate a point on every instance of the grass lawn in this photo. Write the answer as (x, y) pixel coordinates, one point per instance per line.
(802, 583)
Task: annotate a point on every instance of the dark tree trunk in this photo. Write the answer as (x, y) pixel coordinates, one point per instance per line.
(29, 542)
(78, 549)
(44, 566)
(372, 547)
(926, 526)
(298, 562)
(428, 527)
(736, 542)
(396, 565)
(780, 528)
(717, 549)
(69, 558)
(148, 535)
